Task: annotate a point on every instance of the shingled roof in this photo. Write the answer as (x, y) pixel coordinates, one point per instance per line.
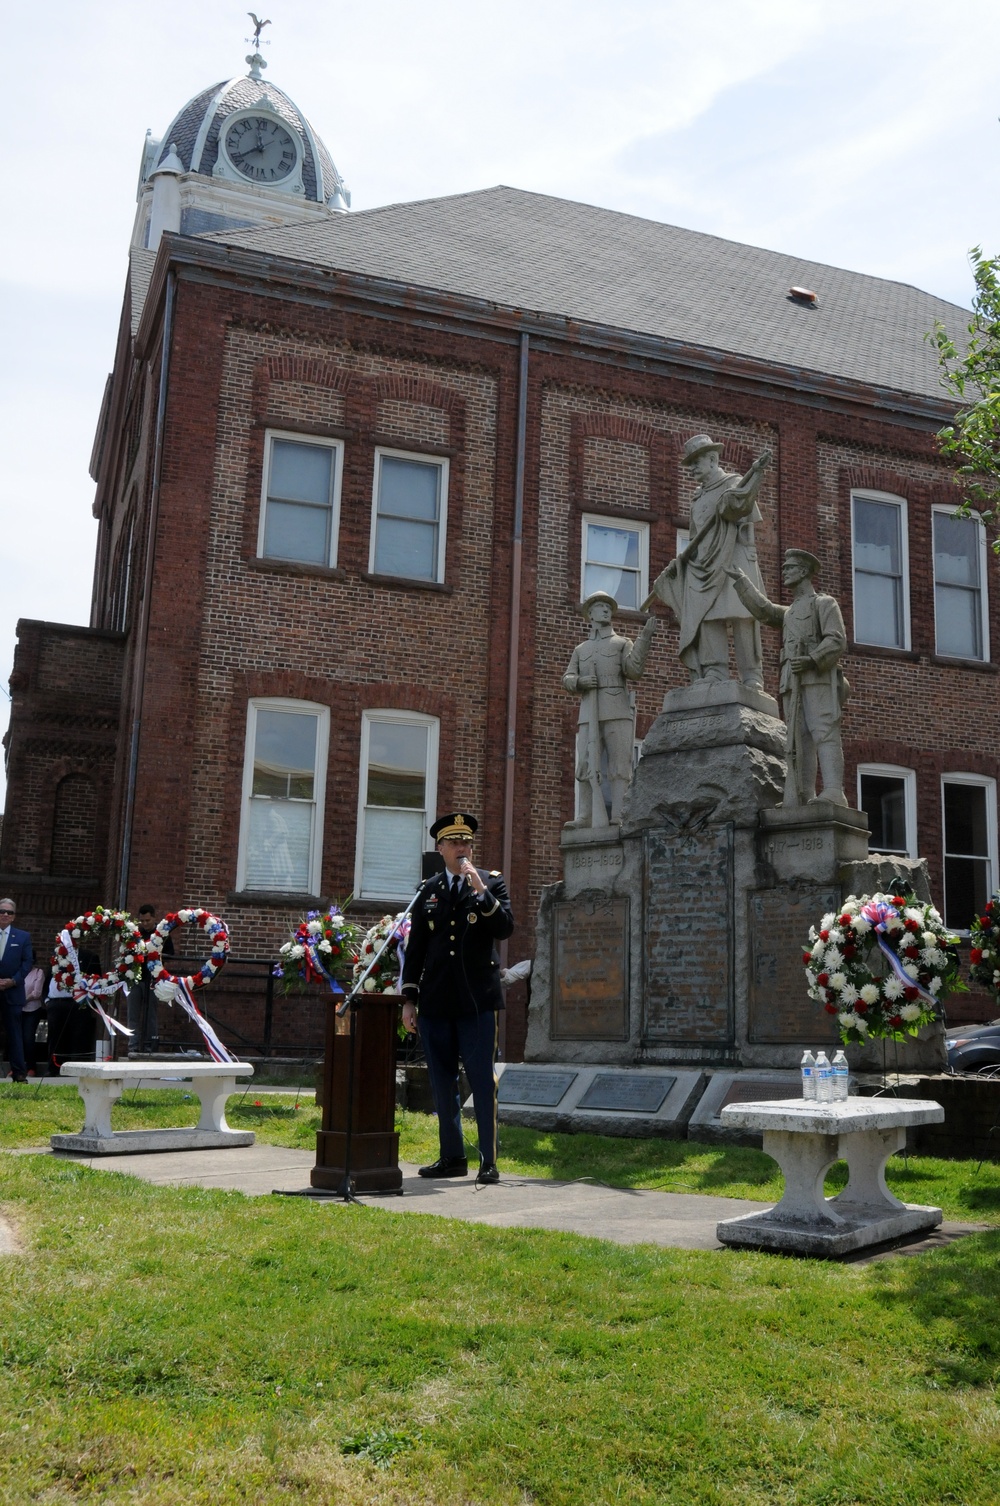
(541, 255)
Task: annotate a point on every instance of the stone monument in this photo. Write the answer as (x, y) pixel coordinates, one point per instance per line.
(675, 937)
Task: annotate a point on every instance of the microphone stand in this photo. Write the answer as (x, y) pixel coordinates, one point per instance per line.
(353, 1003)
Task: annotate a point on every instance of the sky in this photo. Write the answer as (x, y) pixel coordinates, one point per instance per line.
(860, 133)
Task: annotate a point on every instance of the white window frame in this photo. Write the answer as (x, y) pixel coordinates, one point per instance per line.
(433, 725)
(909, 780)
(443, 464)
(317, 440)
(984, 781)
(609, 520)
(865, 494)
(984, 615)
(299, 708)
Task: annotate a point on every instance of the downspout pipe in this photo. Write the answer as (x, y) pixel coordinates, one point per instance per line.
(139, 671)
(513, 655)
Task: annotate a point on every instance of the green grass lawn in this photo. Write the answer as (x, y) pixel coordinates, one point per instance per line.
(183, 1345)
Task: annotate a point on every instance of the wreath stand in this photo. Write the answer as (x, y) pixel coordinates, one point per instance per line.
(357, 1146)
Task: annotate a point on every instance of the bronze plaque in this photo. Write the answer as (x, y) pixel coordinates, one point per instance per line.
(689, 936)
(624, 1094)
(590, 972)
(781, 1011)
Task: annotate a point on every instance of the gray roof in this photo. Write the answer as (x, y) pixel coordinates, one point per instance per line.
(543, 255)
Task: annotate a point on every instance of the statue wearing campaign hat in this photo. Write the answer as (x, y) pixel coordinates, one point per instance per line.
(813, 688)
(599, 673)
(696, 585)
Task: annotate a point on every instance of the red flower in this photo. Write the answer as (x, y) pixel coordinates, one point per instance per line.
(975, 955)
(824, 936)
(985, 921)
(845, 920)
(830, 1008)
(898, 899)
(860, 1006)
(895, 1020)
(823, 979)
(911, 952)
(850, 951)
(911, 993)
(911, 925)
(807, 957)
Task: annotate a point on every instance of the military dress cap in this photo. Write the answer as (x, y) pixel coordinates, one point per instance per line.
(698, 444)
(458, 825)
(593, 599)
(804, 558)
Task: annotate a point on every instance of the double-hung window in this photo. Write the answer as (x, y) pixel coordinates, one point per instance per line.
(888, 797)
(969, 809)
(881, 585)
(959, 595)
(615, 559)
(409, 516)
(284, 778)
(300, 502)
(396, 799)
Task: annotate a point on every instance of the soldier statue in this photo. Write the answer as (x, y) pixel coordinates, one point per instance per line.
(696, 585)
(599, 672)
(812, 685)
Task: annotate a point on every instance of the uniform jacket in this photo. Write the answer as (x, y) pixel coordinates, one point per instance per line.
(612, 660)
(16, 963)
(451, 960)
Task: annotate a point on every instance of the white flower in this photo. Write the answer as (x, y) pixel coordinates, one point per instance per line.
(929, 938)
(893, 923)
(818, 951)
(838, 981)
(861, 925)
(911, 970)
(813, 934)
(76, 932)
(836, 936)
(935, 985)
(827, 921)
(314, 927)
(848, 1020)
(369, 985)
(297, 951)
(931, 957)
(325, 946)
(870, 993)
(893, 988)
(834, 958)
(848, 994)
(910, 1011)
(912, 913)
(934, 917)
(185, 916)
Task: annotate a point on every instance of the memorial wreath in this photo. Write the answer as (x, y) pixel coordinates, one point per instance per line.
(984, 955)
(89, 988)
(882, 964)
(385, 976)
(169, 986)
(323, 948)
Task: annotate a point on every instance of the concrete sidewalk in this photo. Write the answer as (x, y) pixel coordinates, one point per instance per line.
(684, 1221)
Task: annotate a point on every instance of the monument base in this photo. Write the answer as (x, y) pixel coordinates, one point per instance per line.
(859, 1228)
(632, 1102)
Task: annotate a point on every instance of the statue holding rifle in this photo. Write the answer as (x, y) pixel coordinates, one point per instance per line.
(696, 585)
(598, 673)
(812, 687)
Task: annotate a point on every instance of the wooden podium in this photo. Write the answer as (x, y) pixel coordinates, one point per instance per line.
(374, 1152)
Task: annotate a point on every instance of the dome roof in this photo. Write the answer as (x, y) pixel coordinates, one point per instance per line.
(195, 131)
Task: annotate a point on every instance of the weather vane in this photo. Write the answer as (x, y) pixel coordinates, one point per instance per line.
(258, 27)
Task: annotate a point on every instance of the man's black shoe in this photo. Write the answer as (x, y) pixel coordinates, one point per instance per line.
(20, 1077)
(446, 1166)
(488, 1174)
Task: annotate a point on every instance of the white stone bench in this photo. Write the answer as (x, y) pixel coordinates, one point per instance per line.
(806, 1138)
(102, 1083)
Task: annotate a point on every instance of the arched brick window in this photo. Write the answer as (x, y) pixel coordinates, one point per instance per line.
(74, 827)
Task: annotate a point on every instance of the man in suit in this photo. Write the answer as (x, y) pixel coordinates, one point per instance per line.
(16, 959)
(451, 979)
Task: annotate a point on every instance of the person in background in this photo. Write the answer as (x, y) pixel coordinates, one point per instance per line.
(142, 997)
(34, 1001)
(72, 1025)
(16, 959)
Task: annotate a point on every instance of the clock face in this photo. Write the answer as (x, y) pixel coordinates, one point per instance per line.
(261, 148)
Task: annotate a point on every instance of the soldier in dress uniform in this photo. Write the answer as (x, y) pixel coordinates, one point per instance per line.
(451, 979)
(599, 673)
(812, 686)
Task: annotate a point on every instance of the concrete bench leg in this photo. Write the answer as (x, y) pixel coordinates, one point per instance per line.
(212, 1093)
(866, 1155)
(804, 1161)
(98, 1095)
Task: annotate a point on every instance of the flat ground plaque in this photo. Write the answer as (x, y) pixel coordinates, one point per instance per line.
(689, 936)
(626, 1094)
(542, 1088)
(781, 1013)
(761, 1090)
(590, 971)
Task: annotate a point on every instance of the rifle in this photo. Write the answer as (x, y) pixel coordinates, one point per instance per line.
(598, 809)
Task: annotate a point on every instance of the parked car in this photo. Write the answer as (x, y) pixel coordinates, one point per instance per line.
(972, 1048)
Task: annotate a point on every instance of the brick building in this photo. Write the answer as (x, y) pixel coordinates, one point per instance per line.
(354, 473)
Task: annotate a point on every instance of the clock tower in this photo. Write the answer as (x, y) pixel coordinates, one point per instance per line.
(239, 153)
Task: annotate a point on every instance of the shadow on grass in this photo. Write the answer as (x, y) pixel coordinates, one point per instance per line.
(955, 1293)
(689, 1166)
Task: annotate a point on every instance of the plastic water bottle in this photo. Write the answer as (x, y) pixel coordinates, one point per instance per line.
(824, 1078)
(841, 1077)
(808, 1075)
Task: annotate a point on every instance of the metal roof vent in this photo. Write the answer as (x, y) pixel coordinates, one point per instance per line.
(803, 295)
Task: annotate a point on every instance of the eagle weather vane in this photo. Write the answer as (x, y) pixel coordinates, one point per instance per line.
(258, 27)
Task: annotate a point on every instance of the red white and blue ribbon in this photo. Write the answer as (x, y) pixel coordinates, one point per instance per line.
(878, 913)
(216, 1050)
(92, 990)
